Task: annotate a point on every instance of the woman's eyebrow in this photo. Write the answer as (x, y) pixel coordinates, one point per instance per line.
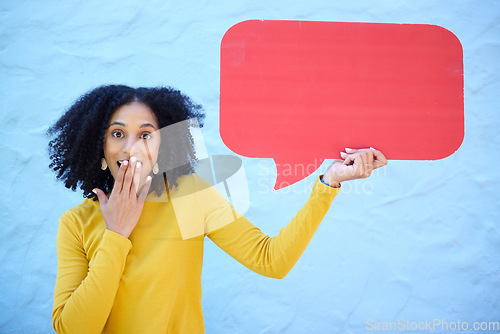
(146, 125)
(116, 123)
(142, 126)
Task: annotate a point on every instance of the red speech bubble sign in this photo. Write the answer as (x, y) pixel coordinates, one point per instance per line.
(300, 92)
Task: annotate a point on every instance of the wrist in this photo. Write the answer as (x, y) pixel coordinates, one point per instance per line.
(123, 232)
(329, 182)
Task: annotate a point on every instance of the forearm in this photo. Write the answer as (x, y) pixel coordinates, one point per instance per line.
(85, 292)
(275, 257)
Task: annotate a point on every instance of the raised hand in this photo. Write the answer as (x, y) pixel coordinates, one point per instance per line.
(355, 164)
(122, 210)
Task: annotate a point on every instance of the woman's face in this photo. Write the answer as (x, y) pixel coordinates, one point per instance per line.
(132, 132)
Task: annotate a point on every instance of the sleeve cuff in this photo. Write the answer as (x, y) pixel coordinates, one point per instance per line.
(321, 188)
(117, 240)
(323, 181)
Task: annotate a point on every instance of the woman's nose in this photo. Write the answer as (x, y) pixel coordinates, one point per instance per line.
(128, 145)
(132, 147)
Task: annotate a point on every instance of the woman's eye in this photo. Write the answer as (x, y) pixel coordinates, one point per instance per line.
(117, 134)
(146, 136)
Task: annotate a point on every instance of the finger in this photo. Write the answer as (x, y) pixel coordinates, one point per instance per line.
(117, 187)
(356, 164)
(343, 155)
(145, 189)
(349, 160)
(381, 160)
(127, 183)
(103, 199)
(137, 177)
(361, 163)
(364, 164)
(361, 151)
(365, 168)
(369, 162)
(350, 150)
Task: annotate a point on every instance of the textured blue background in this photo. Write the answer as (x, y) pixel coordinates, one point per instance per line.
(417, 241)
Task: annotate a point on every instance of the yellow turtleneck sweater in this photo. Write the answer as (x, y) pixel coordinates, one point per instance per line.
(151, 282)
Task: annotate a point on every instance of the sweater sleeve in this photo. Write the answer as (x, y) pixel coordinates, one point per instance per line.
(85, 290)
(274, 257)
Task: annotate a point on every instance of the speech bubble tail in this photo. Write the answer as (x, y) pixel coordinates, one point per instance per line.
(290, 172)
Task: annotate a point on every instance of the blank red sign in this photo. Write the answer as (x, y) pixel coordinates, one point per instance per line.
(300, 92)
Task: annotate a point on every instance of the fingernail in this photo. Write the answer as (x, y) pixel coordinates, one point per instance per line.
(371, 148)
(138, 165)
(148, 178)
(133, 159)
(95, 192)
(348, 149)
(125, 162)
(342, 154)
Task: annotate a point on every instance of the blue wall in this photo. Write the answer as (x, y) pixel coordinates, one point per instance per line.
(417, 241)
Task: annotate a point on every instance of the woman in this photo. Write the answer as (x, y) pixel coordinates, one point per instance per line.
(125, 264)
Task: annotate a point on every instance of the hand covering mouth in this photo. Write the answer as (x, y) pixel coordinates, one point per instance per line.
(119, 162)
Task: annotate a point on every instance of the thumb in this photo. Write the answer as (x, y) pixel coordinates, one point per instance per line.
(103, 199)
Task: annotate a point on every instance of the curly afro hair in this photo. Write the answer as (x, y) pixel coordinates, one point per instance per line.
(77, 147)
